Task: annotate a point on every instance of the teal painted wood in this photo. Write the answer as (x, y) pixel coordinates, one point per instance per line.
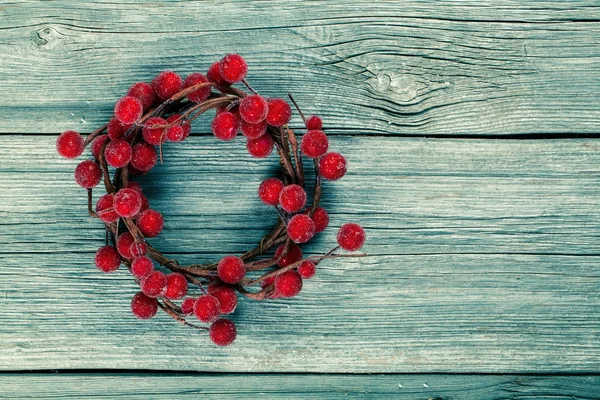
(385, 67)
(483, 258)
(217, 386)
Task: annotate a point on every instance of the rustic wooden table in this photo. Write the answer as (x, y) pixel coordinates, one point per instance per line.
(471, 132)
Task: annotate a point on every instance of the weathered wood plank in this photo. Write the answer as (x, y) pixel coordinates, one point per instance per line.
(386, 67)
(483, 258)
(227, 386)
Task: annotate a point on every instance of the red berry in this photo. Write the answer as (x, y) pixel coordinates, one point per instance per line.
(294, 254)
(187, 306)
(307, 269)
(320, 218)
(105, 210)
(116, 129)
(314, 123)
(226, 296)
(143, 156)
(267, 282)
(197, 96)
(279, 113)
(186, 126)
(177, 286)
(253, 131)
(141, 267)
(127, 202)
(154, 135)
(144, 93)
(332, 166)
(88, 174)
(288, 284)
(292, 198)
(135, 186)
(225, 125)
(207, 308)
(118, 153)
(143, 306)
(351, 237)
(166, 84)
(128, 110)
(124, 242)
(231, 269)
(300, 228)
(150, 223)
(222, 332)
(314, 144)
(261, 147)
(174, 133)
(145, 203)
(97, 145)
(107, 259)
(269, 191)
(154, 285)
(253, 108)
(233, 68)
(138, 249)
(70, 144)
(214, 75)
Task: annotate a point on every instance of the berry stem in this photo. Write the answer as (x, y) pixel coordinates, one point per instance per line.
(317, 190)
(245, 82)
(106, 176)
(94, 134)
(90, 207)
(297, 156)
(297, 107)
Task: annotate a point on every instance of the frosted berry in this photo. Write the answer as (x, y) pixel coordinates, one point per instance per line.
(118, 153)
(226, 295)
(116, 129)
(150, 223)
(128, 110)
(144, 93)
(141, 267)
(269, 191)
(70, 144)
(351, 237)
(300, 228)
(288, 284)
(154, 135)
(233, 68)
(314, 144)
(231, 269)
(88, 174)
(124, 242)
(292, 198)
(253, 131)
(214, 75)
(307, 269)
(154, 285)
(267, 282)
(127, 202)
(187, 306)
(222, 332)
(279, 113)
(105, 210)
(253, 108)
(177, 286)
(185, 126)
(143, 306)
(143, 156)
(320, 218)
(207, 308)
(294, 254)
(135, 186)
(225, 125)
(107, 259)
(138, 249)
(97, 144)
(145, 203)
(332, 166)
(197, 96)
(166, 84)
(314, 123)
(261, 147)
(174, 133)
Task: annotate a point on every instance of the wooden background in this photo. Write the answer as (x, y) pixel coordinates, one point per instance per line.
(471, 132)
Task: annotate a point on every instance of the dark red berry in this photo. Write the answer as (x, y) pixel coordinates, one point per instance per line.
(233, 68)
(145, 203)
(279, 113)
(154, 285)
(154, 135)
(292, 198)
(128, 110)
(267, 282)
(314, 123)
(214, 75)
(141, 267)
(135, 186)
(124, 242)
(143, 156)
(138, 249)
(144, 93)
(187, 306)
(253, 108)
(351, 237)
(107, 259)
(300, 228)
(261, 147)
(269, 191)
(307, 269)
(143, 306)
(314, 144)
(174, 133)
(177, 286)
(105, 209)
(97, 145)
(253, 131)
(294, 254)
(225, 125)
(166, 84)
(118, 153)
(207, 308)
(150, 223)
(116, 129)
(197, 96)
(222, 332)
(70, 144)
(88, 174)
(332, 166)
(231, 269)
(226, 295)
(320, 218)
(288, 284)
(127, 202)
(185, 126)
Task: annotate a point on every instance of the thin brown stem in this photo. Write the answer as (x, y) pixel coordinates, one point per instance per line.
(90, 207)
(94, 134)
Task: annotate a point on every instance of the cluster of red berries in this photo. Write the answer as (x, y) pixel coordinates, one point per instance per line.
(151, 114)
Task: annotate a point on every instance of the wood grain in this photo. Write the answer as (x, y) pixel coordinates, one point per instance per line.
(483, 258)
(379, 67)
